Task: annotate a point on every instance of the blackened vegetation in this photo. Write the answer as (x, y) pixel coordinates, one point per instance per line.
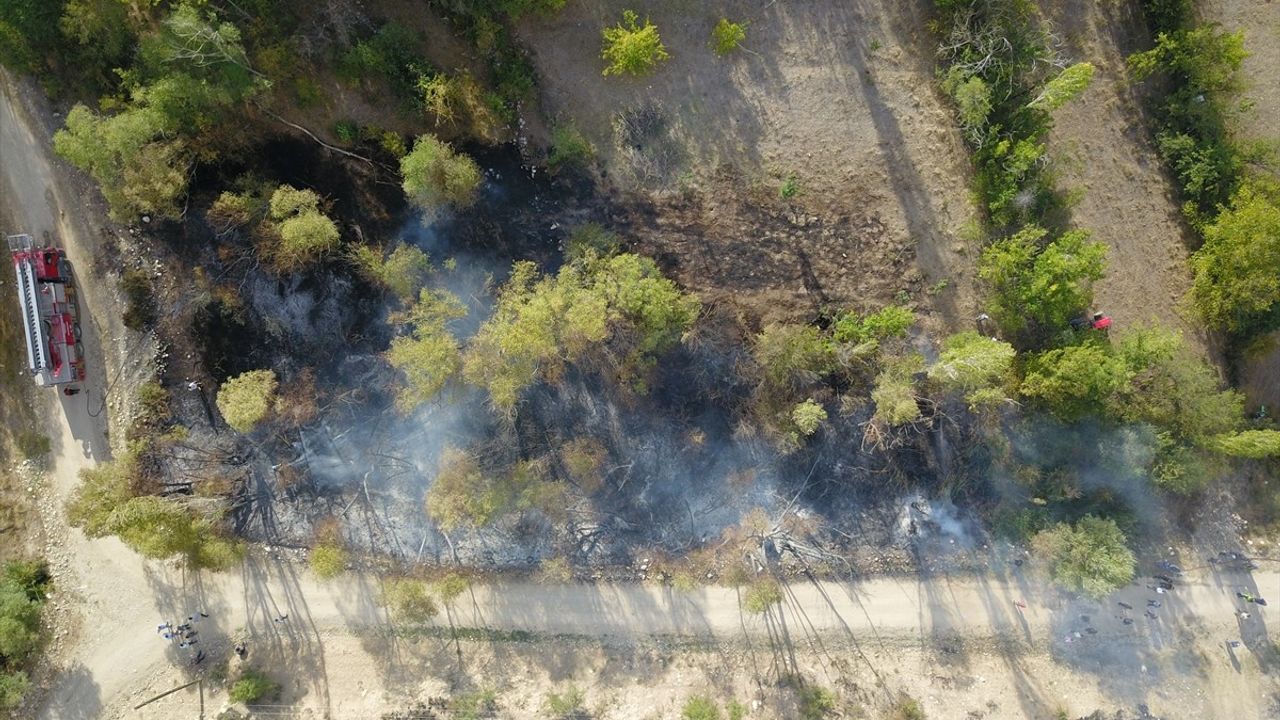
(685, 467)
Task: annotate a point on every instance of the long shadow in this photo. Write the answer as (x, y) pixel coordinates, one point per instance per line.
(84, 704)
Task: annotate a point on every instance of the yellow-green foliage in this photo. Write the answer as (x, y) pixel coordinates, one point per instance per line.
(762, 595)
(247, 399)
(305, 233)
(429, 356)
(464, 494)
(792, 356)
(434, 176)
(808, 416)
(974, 365)
(155, 527)
(1255, 444)
(620, 308)
(1090, 557)
(894, 393)
(403, 272)
(584, 460)
(409, 601)
(632, 48)
(727, 36)
(1237, 282)
(328, 560)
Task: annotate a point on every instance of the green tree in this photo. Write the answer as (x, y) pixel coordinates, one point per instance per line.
(619, 310)
(1236, 283)
(138, 170)
(1173, 389)
(700, 707)
(975, 365)
(1204, 58)
(1037, 285)
(1063, 88)
(28, 32)
(247, 399)
(727, 36)
(328, 560)
(252, 686)
(632, 48)
(972, 95)
(409, 601)
(462, 494)
(429, 356)
(404, 272)
(434, 176)
(1255, 444)
(1090, 557)
(1075, 381)
(19, 621)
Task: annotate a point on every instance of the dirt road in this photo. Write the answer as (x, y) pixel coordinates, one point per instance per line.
(330, 635)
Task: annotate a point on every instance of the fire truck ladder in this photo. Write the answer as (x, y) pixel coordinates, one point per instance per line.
(37, 351)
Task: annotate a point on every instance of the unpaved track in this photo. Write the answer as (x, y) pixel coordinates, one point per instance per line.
(120, 598)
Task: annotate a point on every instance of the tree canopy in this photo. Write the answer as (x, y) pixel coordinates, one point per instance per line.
(1090, 557)
(436, 177)
(1041, 286)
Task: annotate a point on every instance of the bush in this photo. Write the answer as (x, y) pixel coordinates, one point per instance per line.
(409, 601)
(1090, 557)
(762, 595)
(253, 686)
(1236, 283)
(973, 364)
(571, 705)
(328, 561)
(403, 272)
(305, 233)
(700, 707)
(727, 36)
(888, 322)
(808, 416)
(247, 399)
(434, 176)
(816, 703)
(906, 708)
(13, 688)
(632, 48)
(583, 460)
(140, 306)
(569, 148)
(894, 393)
(593, 239)
(792, 357)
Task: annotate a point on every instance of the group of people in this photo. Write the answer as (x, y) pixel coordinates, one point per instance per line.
(185, 634)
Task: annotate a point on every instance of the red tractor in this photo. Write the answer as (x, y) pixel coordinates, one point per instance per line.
(47, 301)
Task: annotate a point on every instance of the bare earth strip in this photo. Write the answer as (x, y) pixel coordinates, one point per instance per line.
(1106, 158)
(954, 643)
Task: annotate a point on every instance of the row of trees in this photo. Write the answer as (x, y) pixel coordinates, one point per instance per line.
(1231, 194)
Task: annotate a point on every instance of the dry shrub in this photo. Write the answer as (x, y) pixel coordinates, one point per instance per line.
(299, 401)
(584, 460)
(556, 570)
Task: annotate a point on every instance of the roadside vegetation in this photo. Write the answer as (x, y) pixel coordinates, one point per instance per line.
(1230, 188)
(24, 587)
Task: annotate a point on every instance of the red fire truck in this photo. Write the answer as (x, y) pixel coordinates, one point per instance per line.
(47, 300)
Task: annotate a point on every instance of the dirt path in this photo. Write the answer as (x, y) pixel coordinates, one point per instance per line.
(334, 648)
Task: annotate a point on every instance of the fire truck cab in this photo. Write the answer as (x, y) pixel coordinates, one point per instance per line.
(47, 302)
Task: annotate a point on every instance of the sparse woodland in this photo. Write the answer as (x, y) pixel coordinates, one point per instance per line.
(397, 316)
